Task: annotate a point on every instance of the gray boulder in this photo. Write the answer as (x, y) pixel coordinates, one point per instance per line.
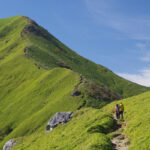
(9, 144)
(59, 117)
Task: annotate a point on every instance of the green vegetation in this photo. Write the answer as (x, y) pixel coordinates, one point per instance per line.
(86, 130)
(38, 76)
(27, 90)
(48, 52)
(137, 117)
(35, 99)
(90, 128)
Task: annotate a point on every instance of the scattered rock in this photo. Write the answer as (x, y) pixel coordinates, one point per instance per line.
(59, 117)
(6, 41)
(76, 92)
(33, 28)
(119, 141)
(1, 58)
(26, 49)
(82, 105)
(9, 144)
(63, 64)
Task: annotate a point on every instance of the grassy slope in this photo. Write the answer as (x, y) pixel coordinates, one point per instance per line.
(86, 130)
(48, 52)
(89, 127)
(28, 92)
(137, 117)
(30, 96)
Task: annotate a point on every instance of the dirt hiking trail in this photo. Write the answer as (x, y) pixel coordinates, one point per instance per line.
(119, 141)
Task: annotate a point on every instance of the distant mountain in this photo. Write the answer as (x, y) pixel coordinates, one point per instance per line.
(40, 76)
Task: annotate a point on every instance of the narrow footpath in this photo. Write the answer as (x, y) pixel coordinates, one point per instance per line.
(119, 141)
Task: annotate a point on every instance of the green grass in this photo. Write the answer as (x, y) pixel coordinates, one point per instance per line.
(27, 90)
(36, 96)
(86, 130)
(48, 52)
(35, 84)
(89, 129)
(137, 117)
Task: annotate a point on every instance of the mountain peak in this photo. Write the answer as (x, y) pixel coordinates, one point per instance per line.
(40, 76)
(48, 52)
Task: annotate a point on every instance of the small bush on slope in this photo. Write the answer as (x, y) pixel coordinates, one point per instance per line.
(137, 117)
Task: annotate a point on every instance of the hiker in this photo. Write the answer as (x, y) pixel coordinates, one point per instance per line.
(121, 110)
(117, 111)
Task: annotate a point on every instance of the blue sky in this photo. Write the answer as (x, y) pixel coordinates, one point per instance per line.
(113, 33)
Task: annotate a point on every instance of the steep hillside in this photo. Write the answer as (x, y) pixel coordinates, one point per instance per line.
(40, 76)
(86, 130)
(48, 52)
(31, 94)
(90, 129)
(137, 117)
(22, 37)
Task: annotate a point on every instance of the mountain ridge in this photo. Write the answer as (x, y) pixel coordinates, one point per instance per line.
(65, 57)
(40, 76)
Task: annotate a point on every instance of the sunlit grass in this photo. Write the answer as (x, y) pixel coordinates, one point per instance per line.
(137, 117)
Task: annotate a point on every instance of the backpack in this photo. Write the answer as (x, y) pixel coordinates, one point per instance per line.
(121, 107)
(116, 109)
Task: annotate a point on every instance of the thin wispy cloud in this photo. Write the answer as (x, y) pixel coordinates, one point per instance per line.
(141, 45)
(145, 51)
(104, 12)
(146, 58)
(132, 27)
(142, 78)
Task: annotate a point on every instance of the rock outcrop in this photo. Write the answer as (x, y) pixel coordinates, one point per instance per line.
(59, 117)
(76, 92)
(9, 144)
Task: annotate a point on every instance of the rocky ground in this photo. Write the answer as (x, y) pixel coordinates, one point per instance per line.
(119, 140)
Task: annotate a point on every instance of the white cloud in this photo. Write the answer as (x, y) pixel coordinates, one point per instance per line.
(105, 13)
(142, 78)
